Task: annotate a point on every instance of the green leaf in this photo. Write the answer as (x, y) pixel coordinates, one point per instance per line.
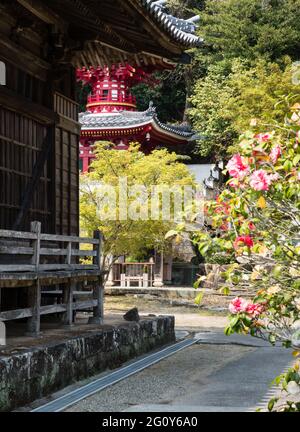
(199, 298)
(296, 160)
(171, 233)
(228, 331)
(234, 321)
(272, 403)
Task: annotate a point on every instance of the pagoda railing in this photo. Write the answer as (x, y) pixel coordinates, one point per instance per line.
(112, 99)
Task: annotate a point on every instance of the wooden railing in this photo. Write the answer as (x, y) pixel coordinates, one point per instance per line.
(34, 259)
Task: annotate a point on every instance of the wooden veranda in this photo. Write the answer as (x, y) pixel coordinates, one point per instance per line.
(34, 260)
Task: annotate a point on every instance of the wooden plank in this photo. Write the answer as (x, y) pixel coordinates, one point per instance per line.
(53, 252)
(17, 279)
(11, 250)
(44, 310)
(77, 252)
(59, 293)
(84, 304)
(18, 235)
(65, 238)
(8, 268)
(63, 252)
(45, 267)
(16, 314)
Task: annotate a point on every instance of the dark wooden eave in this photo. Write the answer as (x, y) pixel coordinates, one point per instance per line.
(105, 31)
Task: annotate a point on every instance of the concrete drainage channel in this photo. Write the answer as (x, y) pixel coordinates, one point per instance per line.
(63, 402)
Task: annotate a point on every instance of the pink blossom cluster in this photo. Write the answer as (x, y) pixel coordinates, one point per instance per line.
(259, 180)
(275, 153)
(240, 305)
(237, 167)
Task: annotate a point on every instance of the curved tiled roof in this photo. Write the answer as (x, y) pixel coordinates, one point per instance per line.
(132, 119)
(180, 30)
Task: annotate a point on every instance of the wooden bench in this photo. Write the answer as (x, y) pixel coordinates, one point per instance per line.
(34, 259)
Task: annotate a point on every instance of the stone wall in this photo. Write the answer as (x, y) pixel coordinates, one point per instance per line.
(34, 373)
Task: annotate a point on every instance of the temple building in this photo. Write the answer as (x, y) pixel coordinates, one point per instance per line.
(42, 44)
(112, 116)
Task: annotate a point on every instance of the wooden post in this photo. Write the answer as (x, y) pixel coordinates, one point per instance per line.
(98, 289)
(159, 278)
(34, 292)
(68, 301)
(68, 291)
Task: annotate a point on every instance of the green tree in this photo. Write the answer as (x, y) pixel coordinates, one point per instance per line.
(250, 29)
(235, 74)
(223, 105)
(123, 233)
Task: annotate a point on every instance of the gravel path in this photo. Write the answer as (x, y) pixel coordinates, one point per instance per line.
(170, 379)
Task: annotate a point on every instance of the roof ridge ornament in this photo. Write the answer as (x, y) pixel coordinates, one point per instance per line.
(183, 30)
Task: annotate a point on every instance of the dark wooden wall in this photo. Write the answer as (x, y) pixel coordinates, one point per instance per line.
(38, 97)
(20, 143)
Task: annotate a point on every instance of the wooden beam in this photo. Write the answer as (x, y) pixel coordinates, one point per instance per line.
(41, 11)
(20, 104)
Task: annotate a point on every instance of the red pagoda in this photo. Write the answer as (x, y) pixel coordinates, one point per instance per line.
(112, 116)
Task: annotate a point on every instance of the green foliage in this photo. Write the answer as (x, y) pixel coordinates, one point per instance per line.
(243, 69)
(208, 115)
(168, 96)
(257, 218)
(127, 236)
(250, 29)
(223, 105)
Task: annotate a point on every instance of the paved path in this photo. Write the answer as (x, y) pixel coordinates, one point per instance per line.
(218, 374)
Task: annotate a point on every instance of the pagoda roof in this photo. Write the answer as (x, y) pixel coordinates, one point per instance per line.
(133, 120)
(182, 31)
(140, 32)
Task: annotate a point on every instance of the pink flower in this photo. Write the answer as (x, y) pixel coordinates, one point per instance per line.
(260, 180)
(263, 137)
(251, 226)
(274, 177)
(246, 239)
(255, 309)
(237, 305)
(237, 167)
(275, 153)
